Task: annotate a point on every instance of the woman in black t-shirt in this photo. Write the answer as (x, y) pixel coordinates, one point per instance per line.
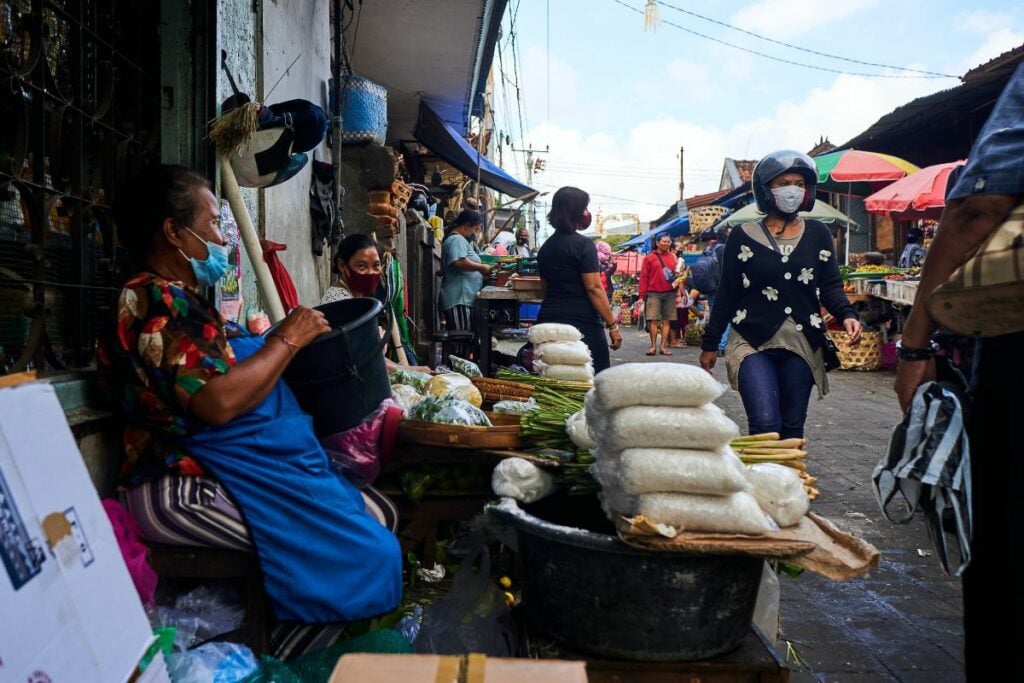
(572, 277)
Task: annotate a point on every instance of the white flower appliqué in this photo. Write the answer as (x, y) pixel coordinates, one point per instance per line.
(745, 254)
(824, 254)
(746, 280)
(740, 315)
(806, 275)
(815, 320)
(770, 293)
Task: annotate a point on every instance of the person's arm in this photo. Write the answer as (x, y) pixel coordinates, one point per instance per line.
(465, 264)
(964, 225)
(832, 296)
(246, 384)
(599, 299)
(644, 268)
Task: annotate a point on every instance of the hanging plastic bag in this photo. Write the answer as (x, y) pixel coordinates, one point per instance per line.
(132, 550)
(472, 617)
(356, 453)
(282, 280)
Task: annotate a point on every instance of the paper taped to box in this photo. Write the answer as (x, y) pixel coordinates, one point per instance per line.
(70, 609)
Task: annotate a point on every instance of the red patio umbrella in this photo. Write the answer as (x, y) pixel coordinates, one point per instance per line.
(917, 196)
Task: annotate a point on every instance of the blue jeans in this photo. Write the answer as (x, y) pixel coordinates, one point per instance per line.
(775, 386)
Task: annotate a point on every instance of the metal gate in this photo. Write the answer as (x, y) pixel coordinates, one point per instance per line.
(80, 110)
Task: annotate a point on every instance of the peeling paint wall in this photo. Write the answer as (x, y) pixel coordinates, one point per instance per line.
(236, 35)
(297, 29)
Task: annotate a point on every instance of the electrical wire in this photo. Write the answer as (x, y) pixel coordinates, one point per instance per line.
(779, 59)
(934, 74)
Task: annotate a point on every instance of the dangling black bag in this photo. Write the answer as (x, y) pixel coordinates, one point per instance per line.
(323, 208)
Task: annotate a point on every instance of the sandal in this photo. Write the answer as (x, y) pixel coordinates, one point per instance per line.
(651, 353)
(666, 352)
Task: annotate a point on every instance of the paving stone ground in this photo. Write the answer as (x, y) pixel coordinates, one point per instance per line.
(901, 623)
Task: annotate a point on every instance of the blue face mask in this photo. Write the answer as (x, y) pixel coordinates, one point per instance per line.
(210, 270)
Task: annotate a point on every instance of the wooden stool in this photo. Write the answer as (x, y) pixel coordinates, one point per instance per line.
(178, 561)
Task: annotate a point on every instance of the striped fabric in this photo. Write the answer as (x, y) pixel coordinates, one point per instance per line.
(929, 464)
(198, 511)
(460, 318)
(985, 296)
(179, 510)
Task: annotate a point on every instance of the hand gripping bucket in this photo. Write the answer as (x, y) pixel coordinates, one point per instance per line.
(340, 378)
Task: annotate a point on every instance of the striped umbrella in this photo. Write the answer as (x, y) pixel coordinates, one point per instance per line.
(857, 173)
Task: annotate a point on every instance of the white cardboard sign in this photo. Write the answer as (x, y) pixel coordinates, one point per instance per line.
(69, 611)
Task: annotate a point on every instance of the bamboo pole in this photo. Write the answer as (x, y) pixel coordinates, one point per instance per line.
(264, 280)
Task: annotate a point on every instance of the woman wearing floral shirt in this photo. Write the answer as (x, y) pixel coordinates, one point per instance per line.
(201, 395)
(777, 274)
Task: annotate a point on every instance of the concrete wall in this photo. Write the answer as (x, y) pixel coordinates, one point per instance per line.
(236, 35)
(297, 28)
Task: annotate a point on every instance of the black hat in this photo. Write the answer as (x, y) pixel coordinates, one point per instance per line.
(467, 217)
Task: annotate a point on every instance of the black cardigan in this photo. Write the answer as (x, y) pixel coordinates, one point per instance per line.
(760, 288)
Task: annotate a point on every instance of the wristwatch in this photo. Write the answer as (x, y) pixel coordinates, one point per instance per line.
(612, 327)
(909, 353)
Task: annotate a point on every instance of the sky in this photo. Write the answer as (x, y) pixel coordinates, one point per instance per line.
(609, 104)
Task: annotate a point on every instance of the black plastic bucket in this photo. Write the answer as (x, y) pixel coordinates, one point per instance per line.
(597, 595)
(340, 377)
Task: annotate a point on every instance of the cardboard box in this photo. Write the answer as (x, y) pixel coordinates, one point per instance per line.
(70, 609)
(367, 668)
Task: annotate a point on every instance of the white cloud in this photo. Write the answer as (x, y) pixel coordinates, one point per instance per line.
(995, 44)
(791, 18)
(638, 172)
(983, 21)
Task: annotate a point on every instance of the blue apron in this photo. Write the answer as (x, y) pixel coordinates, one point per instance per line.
(324, 558)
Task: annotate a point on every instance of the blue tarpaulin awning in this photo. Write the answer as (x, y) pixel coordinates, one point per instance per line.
(445, 142)
(675, 228)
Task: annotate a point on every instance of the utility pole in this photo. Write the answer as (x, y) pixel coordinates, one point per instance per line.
(530, 165)
(682, 183)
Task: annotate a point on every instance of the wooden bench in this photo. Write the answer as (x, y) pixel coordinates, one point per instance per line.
(193, 562)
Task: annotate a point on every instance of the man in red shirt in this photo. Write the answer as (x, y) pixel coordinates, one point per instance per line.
(657, 274)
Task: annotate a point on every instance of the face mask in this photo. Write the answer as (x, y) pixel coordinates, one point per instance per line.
(363, 283)
(789, 198)
(585, 222)
(210, 270)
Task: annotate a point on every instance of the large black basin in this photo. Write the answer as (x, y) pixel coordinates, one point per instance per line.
(587, 589)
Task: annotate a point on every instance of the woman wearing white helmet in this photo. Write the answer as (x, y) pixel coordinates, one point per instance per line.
(776, 275)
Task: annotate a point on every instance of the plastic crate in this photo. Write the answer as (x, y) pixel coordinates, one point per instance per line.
(528, 312)
(901, 291)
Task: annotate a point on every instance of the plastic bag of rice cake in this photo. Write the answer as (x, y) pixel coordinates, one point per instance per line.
(553, 332)
(572, 373)
(562, 353)
(737, 513)
(576, 428)
(617, 503)
(779, 491)
(656, 384)
(705, 428)
(522, 480)
(654, 470)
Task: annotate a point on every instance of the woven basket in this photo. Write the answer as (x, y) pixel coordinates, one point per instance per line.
(867, 355)
(400, 194)
(705, 217)
(364, 111)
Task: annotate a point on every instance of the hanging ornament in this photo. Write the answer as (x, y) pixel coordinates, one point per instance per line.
(651, 18)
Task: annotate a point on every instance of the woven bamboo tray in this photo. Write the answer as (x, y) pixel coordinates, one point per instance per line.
(867, 355)
(503, 419)
(459, 436)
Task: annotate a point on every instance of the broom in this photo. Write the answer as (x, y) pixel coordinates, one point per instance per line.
(229, 132)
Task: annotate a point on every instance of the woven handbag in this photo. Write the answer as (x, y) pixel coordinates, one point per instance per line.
(985, 296)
